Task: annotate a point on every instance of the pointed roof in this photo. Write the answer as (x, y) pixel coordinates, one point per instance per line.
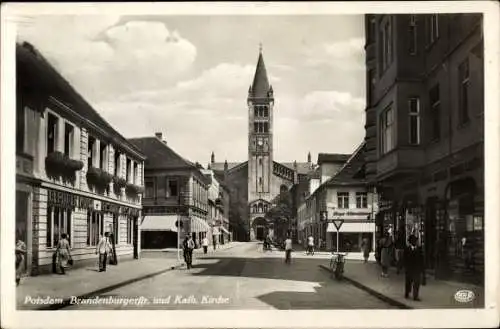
(260, 86)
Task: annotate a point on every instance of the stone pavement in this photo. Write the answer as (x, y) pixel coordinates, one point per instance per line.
(220, 247)
(435, 294)
(87, 281)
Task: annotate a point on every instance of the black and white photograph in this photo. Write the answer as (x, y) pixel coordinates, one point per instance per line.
(250, 157)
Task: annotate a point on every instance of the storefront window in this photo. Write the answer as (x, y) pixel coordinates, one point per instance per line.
(129, 230)
(95, 227)
(58, 222)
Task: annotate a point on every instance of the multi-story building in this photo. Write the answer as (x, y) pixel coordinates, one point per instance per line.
(342, 196)
(425, 134)
(218, 208)
(175, 195)
(75, 174)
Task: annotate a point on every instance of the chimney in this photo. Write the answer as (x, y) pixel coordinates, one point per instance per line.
(160, 137)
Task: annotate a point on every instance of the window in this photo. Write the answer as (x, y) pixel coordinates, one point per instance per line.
(68, 139)
(256, 111)
(51, 133)
(463, 92)
(116, 231)
(128, 168)
(266, 111)
(135, 167)
(266, 127)
(117, 163)
(432, 28)
(343, 200)
(361, 200)
(265, 208)
(260, 208)
(260, 161)
(412, 38)
(254, 208)
(149, 189)
(90, 151)
(95, 227)
(256, 127)
(435, 114)
(414, 124)
(386, 43)
(173, 187)
(103, 164)
(58, 222)
(260, 180)
(386, 133)
(130, 230)
(369, 85)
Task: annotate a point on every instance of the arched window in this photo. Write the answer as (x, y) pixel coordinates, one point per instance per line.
(260, 207)
(254, 208)
(283, 189)
(265, 208)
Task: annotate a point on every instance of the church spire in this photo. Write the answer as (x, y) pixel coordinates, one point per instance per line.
(260, 85)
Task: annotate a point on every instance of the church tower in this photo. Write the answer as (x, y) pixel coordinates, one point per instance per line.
(260, 134)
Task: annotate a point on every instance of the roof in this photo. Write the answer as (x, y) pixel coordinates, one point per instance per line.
(220, 165)
(260, 86)
(332, 157)
(160, 155)
(302, 167)
(349, 174)
(35, 72)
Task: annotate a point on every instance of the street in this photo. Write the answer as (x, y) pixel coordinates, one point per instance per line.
(242, 277)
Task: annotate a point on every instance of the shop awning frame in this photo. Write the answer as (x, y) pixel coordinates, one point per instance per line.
(159, 223)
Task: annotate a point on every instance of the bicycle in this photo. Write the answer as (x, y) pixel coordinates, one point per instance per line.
(337, 265)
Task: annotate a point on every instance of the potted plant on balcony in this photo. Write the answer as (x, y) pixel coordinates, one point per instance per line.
(98, 178)
(118, 184)
(133, 189)
(58, 164)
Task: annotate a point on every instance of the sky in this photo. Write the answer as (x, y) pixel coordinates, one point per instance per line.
(188, 77)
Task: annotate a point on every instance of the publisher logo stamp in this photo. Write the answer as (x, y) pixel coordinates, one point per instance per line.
(464, 296)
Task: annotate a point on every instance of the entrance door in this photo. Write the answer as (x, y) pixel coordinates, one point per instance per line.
(260, 233)
(22, 223)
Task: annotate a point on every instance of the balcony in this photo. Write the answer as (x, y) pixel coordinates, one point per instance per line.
(24, 164)
(399, 161)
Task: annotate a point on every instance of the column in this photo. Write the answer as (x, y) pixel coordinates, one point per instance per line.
(96, 158)
(41, 150)
(60, 135)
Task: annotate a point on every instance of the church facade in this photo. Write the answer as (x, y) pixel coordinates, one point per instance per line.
(255, 184)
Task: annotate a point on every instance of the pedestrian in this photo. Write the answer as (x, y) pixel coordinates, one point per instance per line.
(184, 248)
(400, 248)
(214, 241)
(385, 257)
(63, 257)
(103, 248)
(320, 244)
(189, 246)
(205, 244)
(288, 250)
(310, 244)
(20, 254)
(366, 248)
(414, 267)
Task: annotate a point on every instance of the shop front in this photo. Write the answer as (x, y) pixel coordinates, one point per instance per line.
(84, 220)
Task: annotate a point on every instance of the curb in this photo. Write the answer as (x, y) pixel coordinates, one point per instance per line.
(372, 292)
(67, 301)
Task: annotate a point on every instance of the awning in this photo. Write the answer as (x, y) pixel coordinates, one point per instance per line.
(224, 230)
(367, 227)
(159, 223)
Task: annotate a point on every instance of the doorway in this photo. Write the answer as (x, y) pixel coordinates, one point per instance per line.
(135, 237)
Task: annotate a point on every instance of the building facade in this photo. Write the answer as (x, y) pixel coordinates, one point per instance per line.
(425, 134)
(175, 201)
(342, 196)
(75, 174)
(218, 205)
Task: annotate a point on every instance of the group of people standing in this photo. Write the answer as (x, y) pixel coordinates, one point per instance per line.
(62, 259)
(406, 256)
(188, 245)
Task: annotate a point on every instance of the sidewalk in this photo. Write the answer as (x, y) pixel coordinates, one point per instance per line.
(435, 294)
(86, 281)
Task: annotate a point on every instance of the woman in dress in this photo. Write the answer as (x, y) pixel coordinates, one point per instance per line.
(63, 253)
(20, 253)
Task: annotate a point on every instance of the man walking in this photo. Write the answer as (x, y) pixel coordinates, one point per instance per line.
(288, 249)
(414, 266)
(188, 251)
(103, 248)
(400, 247)
(205, 244)
(310, 245)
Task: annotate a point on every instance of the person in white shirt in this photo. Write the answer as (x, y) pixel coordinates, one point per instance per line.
(103, 248)
(288, 250)
(310, 244)
(204, 243)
